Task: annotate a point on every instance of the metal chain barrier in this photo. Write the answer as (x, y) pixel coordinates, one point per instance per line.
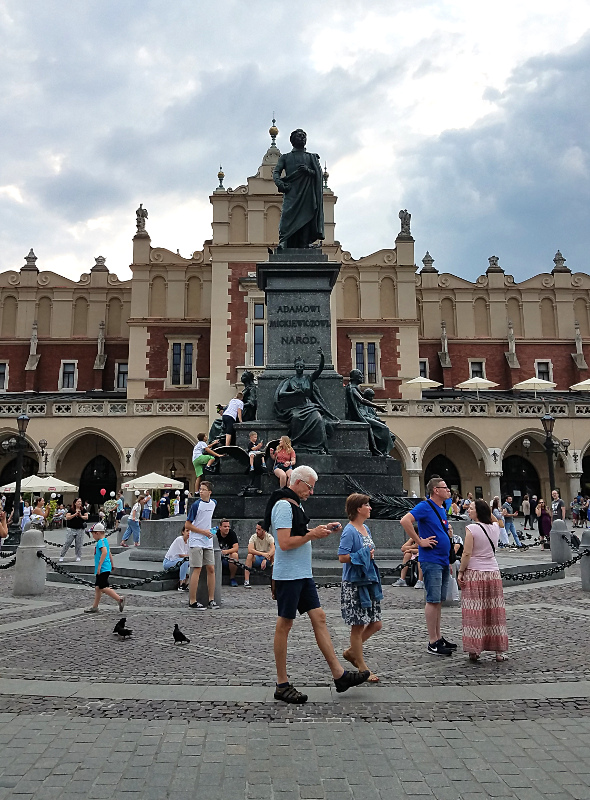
(8, 564)
(158, 576)
(529, 576)
(84, 544)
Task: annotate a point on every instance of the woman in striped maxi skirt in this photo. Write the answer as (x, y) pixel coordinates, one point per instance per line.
(482, 599)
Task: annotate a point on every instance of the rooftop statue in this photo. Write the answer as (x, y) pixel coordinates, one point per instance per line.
(302, 217)
(299, 403)
(140, 217)
(361, 408)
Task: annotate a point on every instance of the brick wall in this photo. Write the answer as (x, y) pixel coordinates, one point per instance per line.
(158, 344)
(389, 358)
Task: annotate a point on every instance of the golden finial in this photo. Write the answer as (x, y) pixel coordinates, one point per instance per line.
(221, 176)
(274, 131)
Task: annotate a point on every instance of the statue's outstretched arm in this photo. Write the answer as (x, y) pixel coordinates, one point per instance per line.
(315, 375)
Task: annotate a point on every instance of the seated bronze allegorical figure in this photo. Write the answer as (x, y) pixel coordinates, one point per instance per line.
(361, 408)
(250, 398)
(299, 404)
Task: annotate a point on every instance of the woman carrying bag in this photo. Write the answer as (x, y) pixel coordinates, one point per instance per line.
(482, 599)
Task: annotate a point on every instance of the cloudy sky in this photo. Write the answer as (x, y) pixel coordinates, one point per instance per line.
(474, 116)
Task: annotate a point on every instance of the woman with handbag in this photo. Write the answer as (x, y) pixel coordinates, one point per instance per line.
(482, 599)
(499, 518)
(76, 519)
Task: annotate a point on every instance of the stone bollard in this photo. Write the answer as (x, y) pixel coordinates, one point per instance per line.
(585, 562)
(560, 549)
(29, 575)
(202, 591)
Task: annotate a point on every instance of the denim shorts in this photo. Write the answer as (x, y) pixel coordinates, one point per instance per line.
(436, 581)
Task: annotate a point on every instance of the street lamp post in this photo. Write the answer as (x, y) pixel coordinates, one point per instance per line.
(551, 446)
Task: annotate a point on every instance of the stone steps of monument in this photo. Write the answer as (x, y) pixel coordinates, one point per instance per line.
(253, 508)
(121, 575)
(329, 484)
(341, 464)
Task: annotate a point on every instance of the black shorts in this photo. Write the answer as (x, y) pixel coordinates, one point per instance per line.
(284, 467)
(228, 424)
(102, 580)
(293, 596)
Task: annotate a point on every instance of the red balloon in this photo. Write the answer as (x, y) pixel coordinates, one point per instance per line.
(103, 492)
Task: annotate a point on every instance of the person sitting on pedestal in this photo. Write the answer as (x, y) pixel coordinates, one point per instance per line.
(261, 551)
(284, 460)
(228, 544)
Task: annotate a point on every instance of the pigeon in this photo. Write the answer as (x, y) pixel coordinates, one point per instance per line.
(179, 637)
(120, 625)
(124, 633)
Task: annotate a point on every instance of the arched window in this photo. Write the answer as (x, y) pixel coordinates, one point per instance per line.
(44, 317)
(387, 298)
(351, 298)
(447, 315)
(581, 314)
(443, 466)
(80, 323)
(158, 297)
(238, 225)
(548, 328)
(9, 317)
(482, 320)
(114, 316)
(273, 216)
(514, 315)
(193, 298)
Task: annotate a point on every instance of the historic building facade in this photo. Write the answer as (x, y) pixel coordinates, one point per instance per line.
(120, 376)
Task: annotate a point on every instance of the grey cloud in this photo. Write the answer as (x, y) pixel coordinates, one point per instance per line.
(511, 185)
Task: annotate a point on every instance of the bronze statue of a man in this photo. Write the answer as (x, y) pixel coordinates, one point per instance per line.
(302, 217)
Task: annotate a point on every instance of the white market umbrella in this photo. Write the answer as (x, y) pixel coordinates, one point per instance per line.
(583, 386)
(31, 484)
(153, 481)
(534, 385)
(477, 384)
(422, 383)
(58, 486)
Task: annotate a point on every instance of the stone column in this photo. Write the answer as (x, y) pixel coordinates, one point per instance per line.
(414, 478)
(574, 481)
(494, 478)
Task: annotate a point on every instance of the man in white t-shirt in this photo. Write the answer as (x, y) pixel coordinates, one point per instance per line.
(147, 506)
(200, 544)
(232, 413)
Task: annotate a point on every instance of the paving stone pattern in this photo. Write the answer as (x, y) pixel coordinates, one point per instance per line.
(57, 757)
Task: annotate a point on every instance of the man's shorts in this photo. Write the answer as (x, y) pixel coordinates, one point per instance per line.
(298, 595)
(102, 580)
(200, 462)
(258, 561)
(436, 581)
(228, 424)
(200, 556)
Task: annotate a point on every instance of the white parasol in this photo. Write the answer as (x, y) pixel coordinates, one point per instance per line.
(583, 386)
(477, 384)
(534, 385)
(422, 383)
(153, 481)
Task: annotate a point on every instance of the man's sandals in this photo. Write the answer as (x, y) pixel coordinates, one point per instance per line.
(351, 660)
(289, 694)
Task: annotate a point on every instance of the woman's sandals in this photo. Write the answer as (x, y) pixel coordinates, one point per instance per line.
(351, 660)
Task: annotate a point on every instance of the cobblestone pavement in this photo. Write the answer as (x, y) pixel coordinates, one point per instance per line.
(519, 729)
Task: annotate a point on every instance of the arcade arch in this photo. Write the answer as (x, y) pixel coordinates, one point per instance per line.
(73, 455)
(462, 454)
(165, 451)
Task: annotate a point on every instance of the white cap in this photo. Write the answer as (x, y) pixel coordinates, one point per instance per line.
(98, 527)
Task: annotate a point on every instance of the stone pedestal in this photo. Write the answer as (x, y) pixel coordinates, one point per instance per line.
(297, 285)
(29, 570)
(560, 549)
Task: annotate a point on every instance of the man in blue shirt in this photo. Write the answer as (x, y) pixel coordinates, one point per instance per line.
(294, 587)
(434, 541)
